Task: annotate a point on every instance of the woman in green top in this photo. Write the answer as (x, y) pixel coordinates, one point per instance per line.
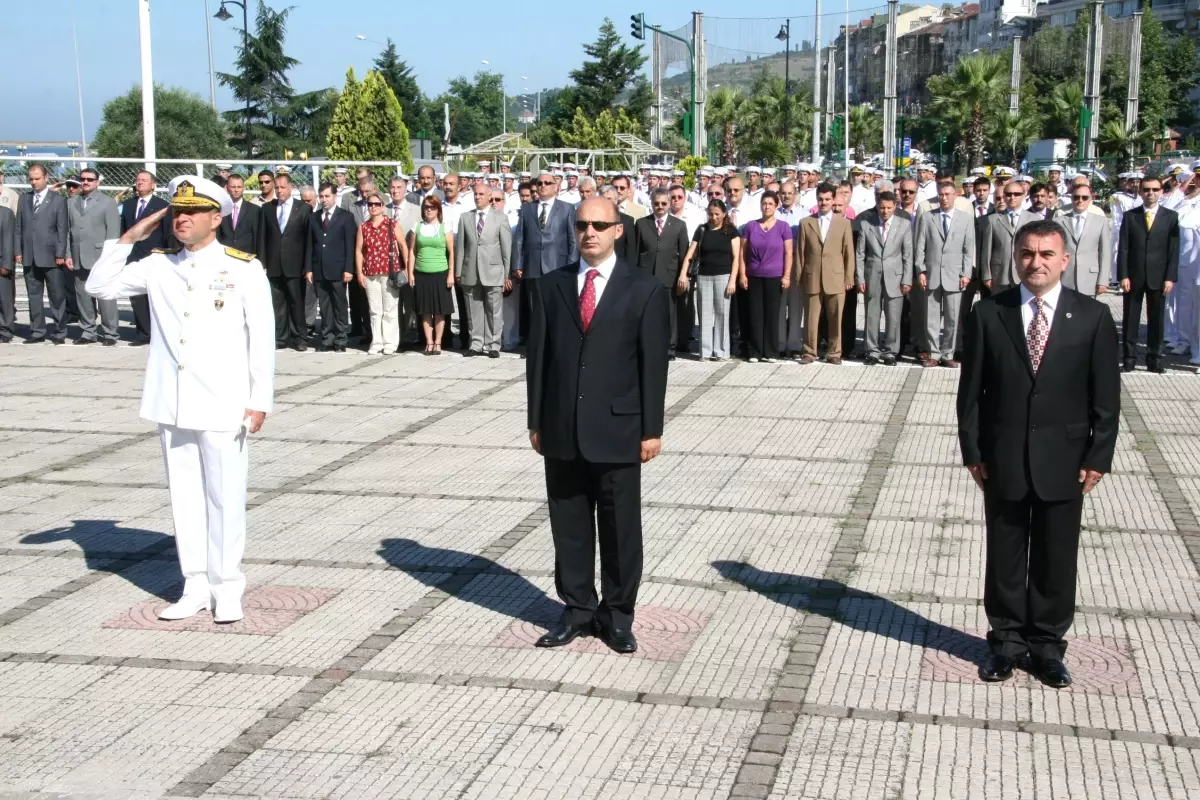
(431, 252)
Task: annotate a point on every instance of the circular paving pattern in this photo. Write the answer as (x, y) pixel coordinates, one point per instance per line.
(268, 610)
(663, 634)
(1098, 665)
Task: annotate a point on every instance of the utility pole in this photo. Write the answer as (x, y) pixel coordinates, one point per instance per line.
(700, 76)
(846, 87)
(785, 36)
(831, 91)
(816, 123)
(1135, 77)
(148, 144)
(695, 47)
(656, 66)
(1014, 83)
(889, 91)
(1091, 87)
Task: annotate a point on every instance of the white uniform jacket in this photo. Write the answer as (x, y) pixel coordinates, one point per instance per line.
(212, 346)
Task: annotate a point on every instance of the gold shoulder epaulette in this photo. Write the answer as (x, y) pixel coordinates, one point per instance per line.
(238, 254)
(167, 251)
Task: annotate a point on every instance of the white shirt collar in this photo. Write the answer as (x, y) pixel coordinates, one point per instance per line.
(605, 266)
(1049, 299)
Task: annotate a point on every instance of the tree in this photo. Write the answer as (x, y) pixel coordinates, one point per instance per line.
(403, 83)
(1116, 140)
(1011, 134)
(866, 131)
(475, 107)
(722, 112)
(1155, 105)
(367, 124)
(971, 93)
(1063, 106)
(185, 126)
(600, 133)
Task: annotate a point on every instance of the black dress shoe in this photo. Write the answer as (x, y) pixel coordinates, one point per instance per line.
(871, 361)
(1128, 366)
(564, 634)
(493, 354)
(1052, 672)
(5, 339)
(35, 340)
(471, 354)
(339, 348)
(82, 340)
(300, 347)
(108, 342)
(1156, 367)
(997, 668)
(617, 640)
(58, 340)
(889, 360)
(139, 343)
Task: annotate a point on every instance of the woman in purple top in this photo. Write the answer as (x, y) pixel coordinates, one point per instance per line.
(767, 255)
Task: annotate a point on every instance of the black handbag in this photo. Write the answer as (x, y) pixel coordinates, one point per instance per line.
(397, 278)
(694, 267)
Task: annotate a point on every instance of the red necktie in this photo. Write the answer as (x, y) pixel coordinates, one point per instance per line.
(587, 298)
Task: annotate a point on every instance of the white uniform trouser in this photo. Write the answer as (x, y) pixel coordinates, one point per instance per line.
(206, 474)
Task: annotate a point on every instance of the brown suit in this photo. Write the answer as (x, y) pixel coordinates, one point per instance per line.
(826, 269)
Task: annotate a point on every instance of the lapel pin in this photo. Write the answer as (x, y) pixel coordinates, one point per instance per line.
(1068, 315)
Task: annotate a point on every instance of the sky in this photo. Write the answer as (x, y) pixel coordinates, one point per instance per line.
(544, 44)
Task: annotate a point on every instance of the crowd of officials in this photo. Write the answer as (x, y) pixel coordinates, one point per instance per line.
(763, 263)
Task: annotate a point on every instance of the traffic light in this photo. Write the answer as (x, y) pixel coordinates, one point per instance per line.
(638, 27)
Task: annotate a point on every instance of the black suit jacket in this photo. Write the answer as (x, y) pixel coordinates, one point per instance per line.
(332, 247)
(1035, 432)
(626, 245)
(285, 254)
(249, 229)
(1147, 258)
(661, 256)
(159, 239)
(596, 394)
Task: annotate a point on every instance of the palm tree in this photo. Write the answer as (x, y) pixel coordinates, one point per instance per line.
(1063, 105)
(974, 91)
(1117, 140)
(866, 130)
(1011, 134)
(725, 109)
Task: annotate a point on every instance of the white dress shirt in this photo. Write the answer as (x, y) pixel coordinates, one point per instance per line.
(823, 222)
(1049, 303)
(40, 197)
(605, 267)
(284, 211)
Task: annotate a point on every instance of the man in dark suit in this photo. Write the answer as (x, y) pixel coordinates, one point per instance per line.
(662, 245)
(543, 240)
(142, 204)
(240, 229)
(41, 231)
(1039, 402)
(333, 232)
(8, 286)
(284, 252)
(597, 382)
(626, 245)
(1147, 266)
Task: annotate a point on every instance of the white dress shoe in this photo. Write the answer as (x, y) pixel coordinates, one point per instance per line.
(228, 611)
(187, 606)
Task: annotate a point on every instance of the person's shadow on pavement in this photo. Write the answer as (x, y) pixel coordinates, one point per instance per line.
(857, 609)
(107, 547)
(478, 580)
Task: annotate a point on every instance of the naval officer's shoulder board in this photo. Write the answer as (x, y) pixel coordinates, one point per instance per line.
(167, 251)
(240, 255)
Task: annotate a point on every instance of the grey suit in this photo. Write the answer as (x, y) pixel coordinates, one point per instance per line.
(884, 266)
(41, 239)
(996, 251)
(481, 264)
(8, 286)
(1091, 252)
(945, 255)
(94, 220)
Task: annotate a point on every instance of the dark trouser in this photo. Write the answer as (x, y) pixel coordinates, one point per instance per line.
(1132, 322)
(584, 499)
(523, 300)
(360, 312)
(850, 322)
(74, 305)
(141, 317)
(1029, 584)
(310, 305)
(739, 321)
(685, 315)
(287, 295)
(55, 283)
(335, 315)
(975, 287)
(673, 319)
(906, 337)
(8, 305)
(763, 307)
(464, 324)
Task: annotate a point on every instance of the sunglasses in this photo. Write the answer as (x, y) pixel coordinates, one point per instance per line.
(908, 191)
(496, 200)
(581, 225)
(1014, 194)
(547, 183)
(87, 180)
(661, 205)
(1081, 197)
(377, 204)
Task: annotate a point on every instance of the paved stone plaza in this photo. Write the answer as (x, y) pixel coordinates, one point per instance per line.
(810, 619)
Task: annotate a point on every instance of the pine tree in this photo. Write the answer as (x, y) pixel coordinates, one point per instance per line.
(342, 142)
(1155, 104)
(403, 83)
(261, 84)
(368, 125)
(611, 78)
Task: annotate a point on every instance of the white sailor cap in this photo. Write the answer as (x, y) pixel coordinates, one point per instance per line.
(509, 176)
(192, 191)
(644, 165)
(225, 166)
(1024, 178)
(706, 171)
(493, 177)
(753, 168)
(1136, 175)
(792, 167)
(768, 171)
(558, 173)
(1054, 168)
(283, 169)
(484, 163)
(677, 173)
(979, 171)
(526, 174)
(571, 165)
(1007, 172)
(926, 168)
(572, 171)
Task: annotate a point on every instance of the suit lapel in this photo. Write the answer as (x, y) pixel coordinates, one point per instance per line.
(1011, 313)
(566, 287)
(614, 293)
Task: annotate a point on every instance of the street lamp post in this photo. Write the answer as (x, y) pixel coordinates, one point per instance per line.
(224, 15)
(785, 36)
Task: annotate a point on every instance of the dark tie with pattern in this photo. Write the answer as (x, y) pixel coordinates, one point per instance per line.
(1039, 331)
(542, 218)
(587, 298)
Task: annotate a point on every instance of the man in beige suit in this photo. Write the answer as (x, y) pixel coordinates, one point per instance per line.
(825, 259)
(481, 268)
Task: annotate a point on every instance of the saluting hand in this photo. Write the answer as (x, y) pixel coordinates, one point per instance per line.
(144, 227)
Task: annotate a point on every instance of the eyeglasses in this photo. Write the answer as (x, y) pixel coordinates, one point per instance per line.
(1151, 188)
(716, 195)
(908, 191)
(1014, 194)
(377, 204)
(661, 205)
(600, 225)
(677, 197)
(1081, 197)
(547, 183)
(87, 180)
(496, 200)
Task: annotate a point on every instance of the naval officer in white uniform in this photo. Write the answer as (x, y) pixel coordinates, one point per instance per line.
(209, 381)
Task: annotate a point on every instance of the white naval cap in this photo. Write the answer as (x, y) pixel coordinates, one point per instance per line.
(1054, 168)
(336, 170)
(192, 191)
(526, 174)
(768, 171)
(979, 171)
(1007, 171)
(224, 166)
(753, 168)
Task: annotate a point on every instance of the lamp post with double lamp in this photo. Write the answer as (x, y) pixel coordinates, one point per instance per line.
(224, 15)
(785, 36)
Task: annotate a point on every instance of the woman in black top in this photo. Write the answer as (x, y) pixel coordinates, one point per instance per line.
(714, 259)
